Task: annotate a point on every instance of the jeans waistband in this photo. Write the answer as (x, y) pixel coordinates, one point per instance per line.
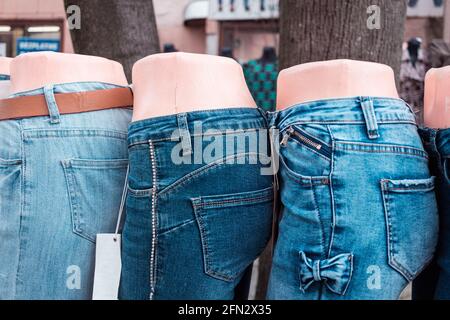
(184, 125)
(50, 90)
(371, 111)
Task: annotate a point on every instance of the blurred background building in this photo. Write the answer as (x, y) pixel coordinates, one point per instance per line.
(200, 26)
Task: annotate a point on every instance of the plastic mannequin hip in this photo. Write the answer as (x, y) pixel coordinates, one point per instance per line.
(172, 83)
(5, 84)
(4, 65)
(334, 79)
(437, 103)
(36, 70)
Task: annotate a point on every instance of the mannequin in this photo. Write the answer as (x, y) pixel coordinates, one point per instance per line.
(437, 104)
(4, 65)
(35, 70)
(171, 83)
(334, 79)
(5, 85)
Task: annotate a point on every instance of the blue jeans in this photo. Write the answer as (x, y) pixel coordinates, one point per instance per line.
(435, 282)
(4, 77)
(199, 209)
(359, 218)
(61, 180)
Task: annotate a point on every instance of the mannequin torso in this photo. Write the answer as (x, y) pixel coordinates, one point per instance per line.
(334, 79)
(171, 83)
(5, 86)
(4, 65)
(35, 70)
(437, 103)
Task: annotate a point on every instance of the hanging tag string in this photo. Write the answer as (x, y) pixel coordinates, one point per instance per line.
(122, 202)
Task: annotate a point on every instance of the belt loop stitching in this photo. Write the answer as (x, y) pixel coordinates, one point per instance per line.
(185, 135)
(55, 116)
(370, 117)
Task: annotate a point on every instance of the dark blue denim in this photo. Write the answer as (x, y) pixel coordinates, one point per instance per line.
(436, 281)
(198, 209)
(4, 77)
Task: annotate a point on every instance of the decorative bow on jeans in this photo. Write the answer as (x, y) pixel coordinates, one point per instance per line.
(335, 273)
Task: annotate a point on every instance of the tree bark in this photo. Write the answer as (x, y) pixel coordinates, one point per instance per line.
(317, 30)
(121, 30)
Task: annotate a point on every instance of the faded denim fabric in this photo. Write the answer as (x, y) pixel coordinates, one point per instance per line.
(435, 282)
(61, 180)
(359, 217)
(198, 213)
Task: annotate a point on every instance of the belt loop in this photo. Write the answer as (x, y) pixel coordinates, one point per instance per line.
(55, 116)
(370, 117)
(185, 136)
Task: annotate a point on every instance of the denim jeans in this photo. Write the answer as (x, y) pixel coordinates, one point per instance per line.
(4, 77)
(435, 282)
(359, 217)
(199, 207)
(61, 180)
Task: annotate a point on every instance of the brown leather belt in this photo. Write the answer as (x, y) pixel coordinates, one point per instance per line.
(68, 103)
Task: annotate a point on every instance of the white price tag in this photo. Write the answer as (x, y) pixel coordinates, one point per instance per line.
(108, 266)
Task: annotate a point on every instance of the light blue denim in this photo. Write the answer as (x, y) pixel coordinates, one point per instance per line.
(61, 179)
(359, 218)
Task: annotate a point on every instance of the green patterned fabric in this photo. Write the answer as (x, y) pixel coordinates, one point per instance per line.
(261, 79)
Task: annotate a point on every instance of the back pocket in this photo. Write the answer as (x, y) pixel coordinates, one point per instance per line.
(95, 188)
(234, 230)
(412, 224)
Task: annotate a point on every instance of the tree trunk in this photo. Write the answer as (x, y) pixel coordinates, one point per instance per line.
(121, 30)
(317, 30)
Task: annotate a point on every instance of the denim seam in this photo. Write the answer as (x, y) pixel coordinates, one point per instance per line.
(72, 132)
(153, 253)
(7, 163)
(140, 193)
(203, 170)
(22, 210)
(76, 213)
(218, 204)
(97, 164)
(344, 145)
(176, 227)
(391, 248)
(345, 122)
(171, 139)
(24, 205)
(319, 217)
(333, 200)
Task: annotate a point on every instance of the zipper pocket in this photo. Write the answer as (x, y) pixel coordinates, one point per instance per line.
(306, 140)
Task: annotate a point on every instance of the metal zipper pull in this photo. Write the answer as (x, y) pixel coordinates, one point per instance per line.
(286, 137)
